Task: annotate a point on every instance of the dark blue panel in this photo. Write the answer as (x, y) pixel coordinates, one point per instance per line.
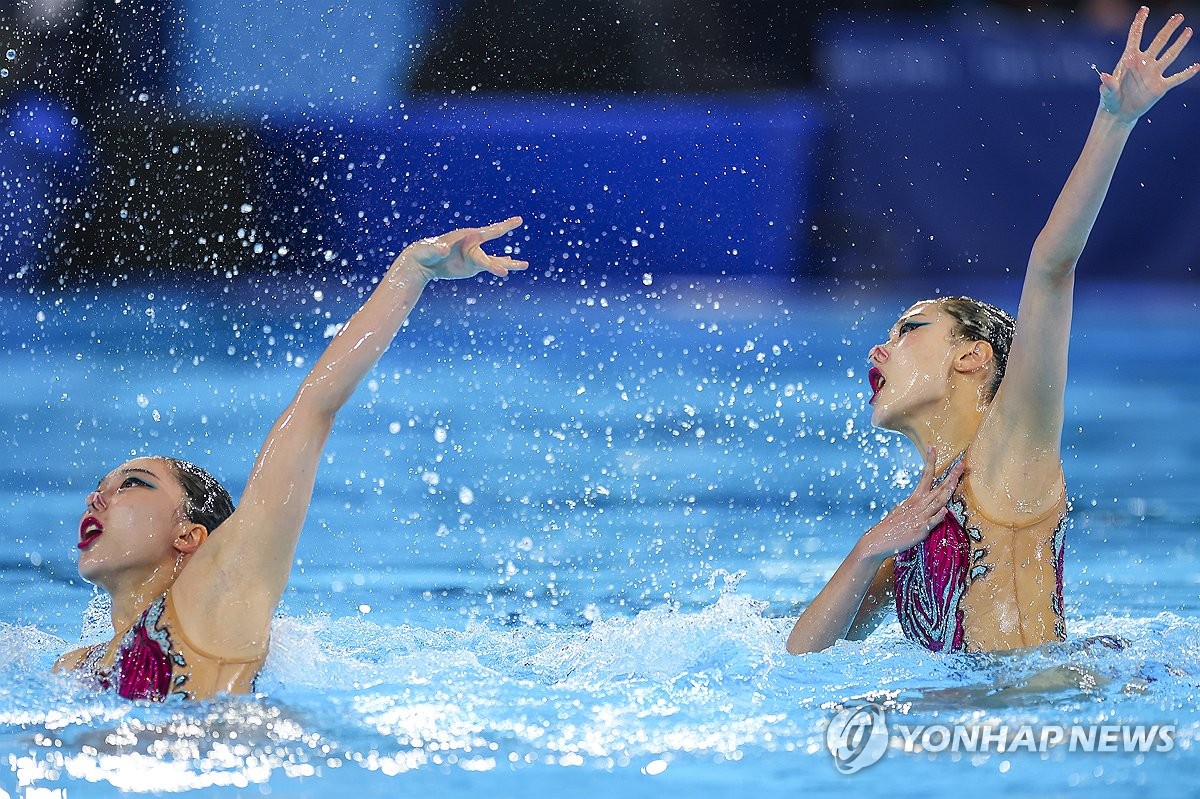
(43, 170)
(952, 141)
(606, 184)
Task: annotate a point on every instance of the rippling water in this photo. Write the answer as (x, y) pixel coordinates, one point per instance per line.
(561, 535)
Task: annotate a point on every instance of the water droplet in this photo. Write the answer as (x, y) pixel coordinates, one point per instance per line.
(11, 55)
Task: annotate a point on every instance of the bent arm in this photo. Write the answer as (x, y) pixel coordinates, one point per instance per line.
(875, 604)
(832, 613)
(839, 609)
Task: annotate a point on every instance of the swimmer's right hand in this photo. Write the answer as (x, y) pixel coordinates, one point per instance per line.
(459, 253)
(915, 518)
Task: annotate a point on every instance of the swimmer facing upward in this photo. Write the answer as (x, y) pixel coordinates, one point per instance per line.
(973, 559)
(194, 582)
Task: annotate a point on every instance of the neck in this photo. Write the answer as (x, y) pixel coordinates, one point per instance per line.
(949, 430)
(131, 595)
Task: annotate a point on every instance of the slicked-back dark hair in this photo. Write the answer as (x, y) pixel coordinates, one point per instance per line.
(205, 500)
(980, 321)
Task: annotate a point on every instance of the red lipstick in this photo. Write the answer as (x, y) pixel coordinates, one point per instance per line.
(876, 379)
(89, 530)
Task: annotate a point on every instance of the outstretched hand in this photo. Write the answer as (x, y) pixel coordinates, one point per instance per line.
(460, 254)
(915, 518)
(1138, 82)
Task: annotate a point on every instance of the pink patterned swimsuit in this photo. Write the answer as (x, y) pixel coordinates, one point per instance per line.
(154, 660)
(933, 579)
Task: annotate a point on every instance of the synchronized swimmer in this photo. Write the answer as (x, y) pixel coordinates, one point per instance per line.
(973, 559)
(195, 583)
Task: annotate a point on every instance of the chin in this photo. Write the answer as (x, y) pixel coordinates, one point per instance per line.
(91, 569)
(88, 572)
(880, 420)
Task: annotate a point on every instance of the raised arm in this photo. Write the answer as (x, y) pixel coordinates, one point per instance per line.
(238, 576)
(1024, 426)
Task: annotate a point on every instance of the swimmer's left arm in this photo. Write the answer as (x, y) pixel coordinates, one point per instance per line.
(240, 573)
(1028, 410)
(1135, 85)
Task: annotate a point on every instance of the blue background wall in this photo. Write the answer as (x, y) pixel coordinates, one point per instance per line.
(256, 136)
(952, 142)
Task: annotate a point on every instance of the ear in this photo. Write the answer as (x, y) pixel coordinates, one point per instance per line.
(190, 537)
(973, 356)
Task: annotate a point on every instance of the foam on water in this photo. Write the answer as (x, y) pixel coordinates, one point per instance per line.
(666, 686)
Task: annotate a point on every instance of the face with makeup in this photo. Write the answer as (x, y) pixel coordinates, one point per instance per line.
(133, 525)
(911, 372)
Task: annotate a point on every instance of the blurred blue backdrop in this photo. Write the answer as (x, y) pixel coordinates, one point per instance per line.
(866, 141)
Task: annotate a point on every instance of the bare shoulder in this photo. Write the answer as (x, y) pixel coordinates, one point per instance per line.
(71, 660)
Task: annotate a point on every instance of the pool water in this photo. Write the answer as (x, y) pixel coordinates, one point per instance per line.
(561, 534)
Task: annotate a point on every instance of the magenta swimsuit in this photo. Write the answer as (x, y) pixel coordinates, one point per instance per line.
(931, 577)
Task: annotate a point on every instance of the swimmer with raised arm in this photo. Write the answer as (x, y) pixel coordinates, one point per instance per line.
(974, 558)
(195, 583)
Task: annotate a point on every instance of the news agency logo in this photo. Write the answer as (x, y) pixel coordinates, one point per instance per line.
(857, 736)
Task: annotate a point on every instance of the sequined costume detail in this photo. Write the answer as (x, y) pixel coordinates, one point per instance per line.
(154, 660)
(932, 577)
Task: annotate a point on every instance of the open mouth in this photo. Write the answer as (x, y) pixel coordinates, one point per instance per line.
(876, 379)
(89, 530)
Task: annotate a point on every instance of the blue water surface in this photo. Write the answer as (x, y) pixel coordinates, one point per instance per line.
(561, 534)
